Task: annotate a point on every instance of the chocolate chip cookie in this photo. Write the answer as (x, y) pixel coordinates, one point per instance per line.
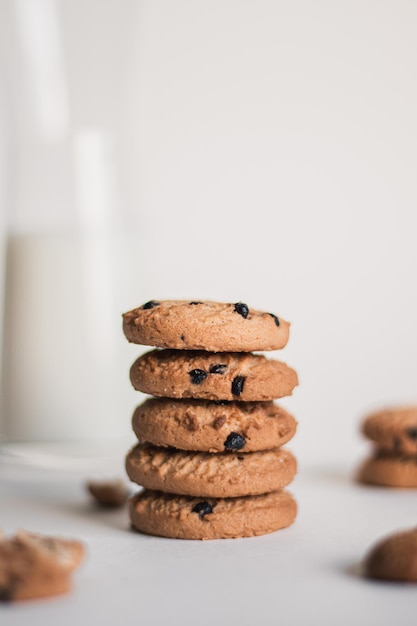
(184, 517)
(393, 429)
(205, 325)
(221, 475)
(213, 426)
(212, 376)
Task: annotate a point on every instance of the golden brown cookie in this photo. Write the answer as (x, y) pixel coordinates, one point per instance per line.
(210, 426)
(389, 470)
(184, 517)
(35, 566)
(213, 326)
(394, 558)
(393, 429)
(212, 376)
(221, 475)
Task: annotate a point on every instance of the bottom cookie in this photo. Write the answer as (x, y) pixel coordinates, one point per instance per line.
(184, 517)
(389, 470)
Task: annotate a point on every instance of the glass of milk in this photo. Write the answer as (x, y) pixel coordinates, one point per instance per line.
(73, 262)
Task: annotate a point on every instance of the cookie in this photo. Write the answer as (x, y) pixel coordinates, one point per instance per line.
(36, 566)
(183, 517)
(389, 470)
(212, 326)
(209, 426)
(394, 558)
(222, 475)
(212, 376)
(393, 429)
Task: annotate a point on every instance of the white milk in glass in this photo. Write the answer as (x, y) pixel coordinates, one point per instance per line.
(66, 362)
(68, 187)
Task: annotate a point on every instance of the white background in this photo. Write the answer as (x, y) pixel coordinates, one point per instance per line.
(256, 151)
(262, 151)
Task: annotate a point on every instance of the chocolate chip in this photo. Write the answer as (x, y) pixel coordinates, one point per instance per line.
(220, 368)
(411, 433)
(202, 508)
(240, 458)
(195, 303)
(197, 376)
(274, 317)
(6, 594)
(151, 304)
(235, 442)
(221, 402)
(182, 337)
(218, 422)
(237, 385)
(242, 309)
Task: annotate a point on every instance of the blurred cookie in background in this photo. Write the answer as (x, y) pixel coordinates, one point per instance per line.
(393, 463)
(394, 557)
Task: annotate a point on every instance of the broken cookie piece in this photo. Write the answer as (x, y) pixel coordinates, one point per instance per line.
(110, 494)
(37, 566)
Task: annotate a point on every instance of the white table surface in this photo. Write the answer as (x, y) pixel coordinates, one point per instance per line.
(307, 574)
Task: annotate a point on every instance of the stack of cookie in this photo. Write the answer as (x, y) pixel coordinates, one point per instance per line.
(394, 461)
(209, 452)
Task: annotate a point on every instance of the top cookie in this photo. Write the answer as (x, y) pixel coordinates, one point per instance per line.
(212, 326)
(393, 429)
